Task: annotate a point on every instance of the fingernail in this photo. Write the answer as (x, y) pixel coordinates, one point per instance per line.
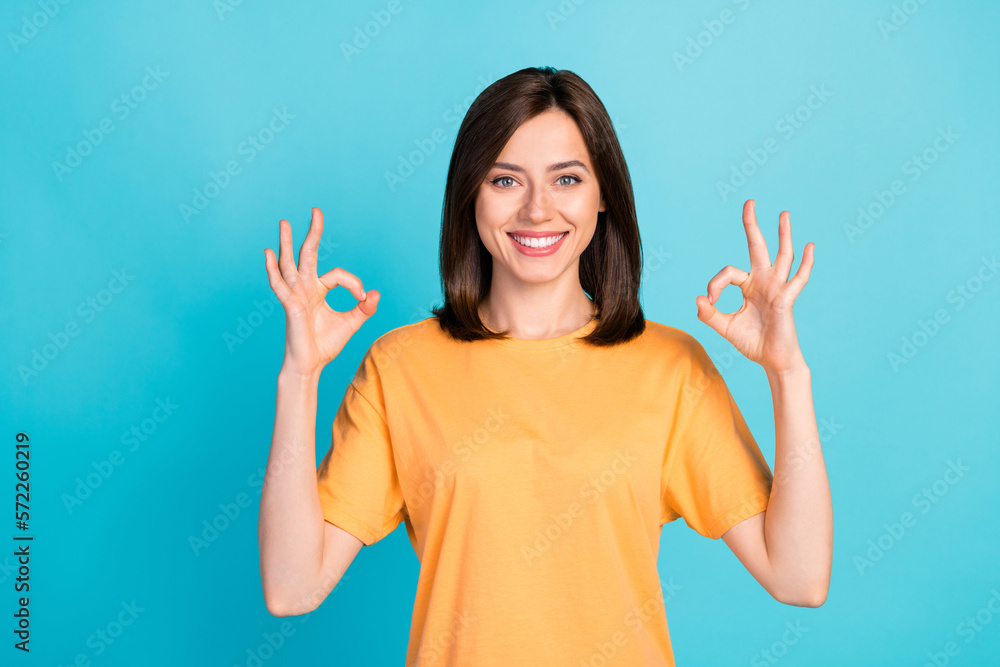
(363, 297)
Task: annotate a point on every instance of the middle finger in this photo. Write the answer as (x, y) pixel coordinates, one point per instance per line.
(759, 256)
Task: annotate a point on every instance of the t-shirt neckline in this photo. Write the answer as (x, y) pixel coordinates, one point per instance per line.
(546, 343)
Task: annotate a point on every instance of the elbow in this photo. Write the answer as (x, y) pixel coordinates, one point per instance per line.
(803, 588)
(276, 607)
(280, 606)
(814, 596)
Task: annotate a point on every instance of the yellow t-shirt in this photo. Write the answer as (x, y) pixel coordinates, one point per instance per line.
(533, 477)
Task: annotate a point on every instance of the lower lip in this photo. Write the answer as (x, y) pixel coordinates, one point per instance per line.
(538, 252)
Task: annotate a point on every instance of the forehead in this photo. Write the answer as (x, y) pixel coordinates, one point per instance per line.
(550, 136)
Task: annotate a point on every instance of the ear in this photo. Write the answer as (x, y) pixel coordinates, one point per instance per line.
(603, 206)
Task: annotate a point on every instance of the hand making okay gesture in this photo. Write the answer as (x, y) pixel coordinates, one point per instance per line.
(762, 329)
(314, 332)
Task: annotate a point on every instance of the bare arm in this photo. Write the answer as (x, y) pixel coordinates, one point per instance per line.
(302, 556)
(789, 547)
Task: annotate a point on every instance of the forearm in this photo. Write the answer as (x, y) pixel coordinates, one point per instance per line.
(798, 525)
(290, 531)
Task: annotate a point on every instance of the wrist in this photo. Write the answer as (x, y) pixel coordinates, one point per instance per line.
(798, 370)
(293, 376)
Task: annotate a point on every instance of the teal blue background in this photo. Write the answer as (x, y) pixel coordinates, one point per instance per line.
(682, 128)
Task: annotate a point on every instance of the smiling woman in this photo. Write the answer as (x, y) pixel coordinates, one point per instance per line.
(519, 209)
(537, 432)
(536, 157)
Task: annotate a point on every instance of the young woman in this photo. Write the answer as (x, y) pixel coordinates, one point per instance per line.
(536, 433)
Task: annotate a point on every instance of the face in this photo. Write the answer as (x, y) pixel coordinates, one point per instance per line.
(537, 209)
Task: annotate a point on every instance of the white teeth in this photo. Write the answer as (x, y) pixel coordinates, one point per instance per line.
(538, 242)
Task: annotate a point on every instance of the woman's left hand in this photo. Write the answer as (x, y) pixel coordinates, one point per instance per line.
(762, 329)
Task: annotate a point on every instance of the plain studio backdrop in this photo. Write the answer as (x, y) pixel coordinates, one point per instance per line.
(150, 149)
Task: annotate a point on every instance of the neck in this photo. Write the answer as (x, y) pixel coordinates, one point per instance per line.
(536, 311)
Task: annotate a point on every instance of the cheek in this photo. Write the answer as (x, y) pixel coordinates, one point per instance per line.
(582, 211)
(481, 210)
(586, 236)
(484, 208)
(485, 212)
(489, 207)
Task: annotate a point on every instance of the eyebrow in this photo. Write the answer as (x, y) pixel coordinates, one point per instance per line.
(555, 167)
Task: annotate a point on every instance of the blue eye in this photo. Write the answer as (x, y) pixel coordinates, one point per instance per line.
(501, 178)
(575, 179)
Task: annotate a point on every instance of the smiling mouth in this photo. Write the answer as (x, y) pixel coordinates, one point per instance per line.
(533, 242)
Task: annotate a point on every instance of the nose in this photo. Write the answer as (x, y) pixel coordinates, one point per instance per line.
(539, 205)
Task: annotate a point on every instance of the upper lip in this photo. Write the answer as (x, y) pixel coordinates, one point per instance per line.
(537, 235)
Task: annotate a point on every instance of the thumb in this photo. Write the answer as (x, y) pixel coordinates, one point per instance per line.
(710, 315)
(366, 307)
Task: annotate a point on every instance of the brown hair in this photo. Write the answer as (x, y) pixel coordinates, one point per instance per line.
(611, 264)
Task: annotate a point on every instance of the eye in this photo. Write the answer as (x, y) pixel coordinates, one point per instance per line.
(496, 181)
(575, 180)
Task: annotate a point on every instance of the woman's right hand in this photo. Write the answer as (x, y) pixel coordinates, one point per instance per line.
(314, 332)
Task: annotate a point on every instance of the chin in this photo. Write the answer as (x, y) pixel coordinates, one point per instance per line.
(538, 275)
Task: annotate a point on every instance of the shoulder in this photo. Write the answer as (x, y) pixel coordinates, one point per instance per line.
(668, 338)
(678, 351)
(394, 350)
(423, 331)
(421, 338)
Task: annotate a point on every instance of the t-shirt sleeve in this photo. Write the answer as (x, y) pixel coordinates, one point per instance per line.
(359, 488)
(714, 474)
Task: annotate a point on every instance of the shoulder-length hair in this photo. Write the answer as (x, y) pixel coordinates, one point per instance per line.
(610, 266)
